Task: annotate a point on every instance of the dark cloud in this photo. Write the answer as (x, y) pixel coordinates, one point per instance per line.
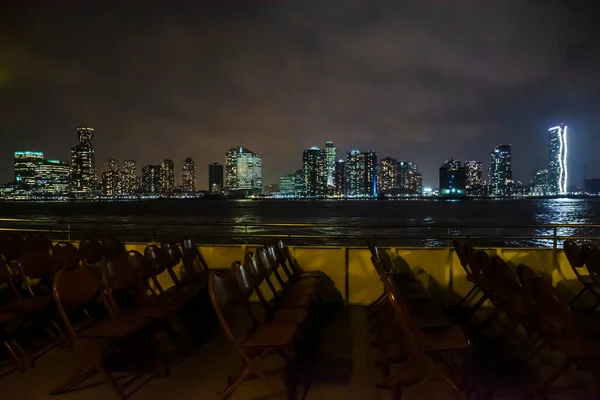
(420, 80)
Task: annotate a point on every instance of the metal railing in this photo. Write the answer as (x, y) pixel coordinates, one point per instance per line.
(430, 235)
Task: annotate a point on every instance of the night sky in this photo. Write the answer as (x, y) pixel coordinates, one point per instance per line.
(419, 80)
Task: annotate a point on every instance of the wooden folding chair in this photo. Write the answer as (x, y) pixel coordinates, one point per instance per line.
(226, 298)
(577, 262)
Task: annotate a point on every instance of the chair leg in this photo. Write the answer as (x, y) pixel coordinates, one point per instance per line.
(111, 382)
(561, 370)
(24, 353)
(13, 355)
(574, 299)
(234, 383)
(473, 290)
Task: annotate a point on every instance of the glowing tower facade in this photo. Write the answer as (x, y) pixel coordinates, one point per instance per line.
(558, 173)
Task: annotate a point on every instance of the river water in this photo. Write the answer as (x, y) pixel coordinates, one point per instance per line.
(423, 222)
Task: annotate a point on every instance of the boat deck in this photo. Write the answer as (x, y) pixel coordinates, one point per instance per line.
(340, 366)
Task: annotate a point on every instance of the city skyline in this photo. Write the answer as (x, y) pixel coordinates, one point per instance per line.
(418, 81)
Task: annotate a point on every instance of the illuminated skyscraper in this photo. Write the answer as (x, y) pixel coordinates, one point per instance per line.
(243, 172)
(189, 175)
(387, 176)
(215, 178)
(557, 168)
(453, 178)
(83, 163)
(361, 173)
(539, 182)
(129, 177)
(475, 184)
(111, 179)
(407, 177)
(329, 154)
(315, 172)
(25, 166)
(340, 178)
(52, 177)
(500, 171)
(151, 179)
(167, 176)
(287, 185)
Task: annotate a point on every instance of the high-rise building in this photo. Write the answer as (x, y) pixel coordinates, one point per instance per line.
(167, 176)
(407, 177)
(25, 165)
(287, 185)
(417, 183)
(453, 178)
(361, 173)
(83, 163)
(500, 171)
(558, 173)
(151, 179)
(387, 176)
(111, 179)
(189, 175)
(329, 154)
(271, 188)
(52, 177)
(243, 172)
(315, 174)
(215, 178)
(539, 182)
(340, 178)
(475, 184)
(129, 177)
(299, 183)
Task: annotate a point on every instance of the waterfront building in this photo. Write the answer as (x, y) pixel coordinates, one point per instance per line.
(271, 188)
(111, 179)
(52, 177)
(500, 171)
(299, 182)
(453, 178)
(151, 179)
(314, 171)
(539, 182)
(167, 176)
(25, 168)
(387, 176)
(340, 178)
(558, 167)
(215, 178)
(371, 173)
(243, 172)
(287, 185)
(329, 155)
(475, 186)
(129, 177)
(83, 163)
(189, 176)
(407, 178)
(417, 183)
(361, 173)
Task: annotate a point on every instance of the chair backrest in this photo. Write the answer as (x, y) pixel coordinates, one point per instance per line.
(286, 256)
(190, 248)
(526, 277)
(143, 268)
(591, 256)
(91, 250)
(66, 255)
(245, 279)
(557, 315)
(74, 289)
(121, 276)
(173, 257)
(463, 257)
(6, 279)
(474, 261)
(278, 262)
(38, 265)
(37, 242)
(113, 248)
(226, 297)
(12, 246)
(575, 257)
(156, 258)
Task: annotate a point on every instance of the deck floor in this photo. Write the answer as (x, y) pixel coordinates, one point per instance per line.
(341, 368)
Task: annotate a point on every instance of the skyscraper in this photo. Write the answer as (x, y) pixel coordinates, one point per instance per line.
(371, 173)
(315, 172)
(189, 175)
(151, 179)
(557, 167)
(407, 178)
(500, 170)
(111, 179)
(83, 163)
(25, 166)
(215, 178)
(539, 182)
(287, 185)
(167, 176)
(475, 185)
(453, 178)
(243, 172)
(340, 178)
(129, 177)
(52, 177)
(387, 176)
(329, 154)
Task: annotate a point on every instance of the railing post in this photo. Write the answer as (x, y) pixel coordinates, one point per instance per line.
(68, 232)
(555, 245)
(449, 238)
